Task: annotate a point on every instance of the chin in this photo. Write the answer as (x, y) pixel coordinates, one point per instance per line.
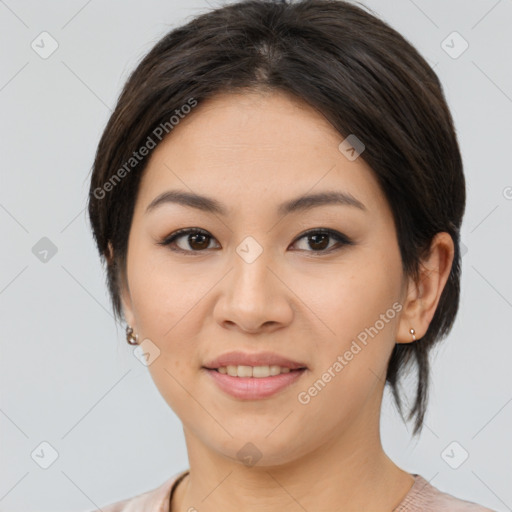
(255, 447)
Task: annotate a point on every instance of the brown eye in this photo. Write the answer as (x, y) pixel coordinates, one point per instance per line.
(196, 239)
(318, 240)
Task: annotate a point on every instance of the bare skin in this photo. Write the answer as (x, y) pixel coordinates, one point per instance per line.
(251, 152)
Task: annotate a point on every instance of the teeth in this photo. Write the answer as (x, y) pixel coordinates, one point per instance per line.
(252, 371)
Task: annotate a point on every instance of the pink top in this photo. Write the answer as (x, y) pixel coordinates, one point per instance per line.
(422, 497)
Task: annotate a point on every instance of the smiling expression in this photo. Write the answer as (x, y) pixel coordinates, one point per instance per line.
(292, 250)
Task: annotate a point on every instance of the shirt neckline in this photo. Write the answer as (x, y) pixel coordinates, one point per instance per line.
(177, 480)
(419, 486)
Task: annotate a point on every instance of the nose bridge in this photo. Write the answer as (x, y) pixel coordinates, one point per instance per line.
(253, 295)
(251, 277)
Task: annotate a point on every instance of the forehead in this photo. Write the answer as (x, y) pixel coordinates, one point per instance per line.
(256, 146)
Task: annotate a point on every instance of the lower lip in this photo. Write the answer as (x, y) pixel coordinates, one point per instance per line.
(254, 388)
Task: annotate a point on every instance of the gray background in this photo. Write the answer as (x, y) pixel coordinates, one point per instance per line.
(67, 375)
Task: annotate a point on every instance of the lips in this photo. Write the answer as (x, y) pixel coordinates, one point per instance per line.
(255, 359)
(250, 388)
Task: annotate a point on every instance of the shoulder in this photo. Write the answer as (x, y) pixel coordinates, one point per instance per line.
(424, 497)
(156, 499)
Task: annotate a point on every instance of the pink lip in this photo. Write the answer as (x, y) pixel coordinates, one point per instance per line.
(254, 388)
(257, 359)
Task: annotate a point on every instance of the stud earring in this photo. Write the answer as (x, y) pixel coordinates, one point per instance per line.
(130, 337)
(412, 331)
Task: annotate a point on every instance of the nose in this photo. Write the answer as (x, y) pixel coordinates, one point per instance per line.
(254, 296)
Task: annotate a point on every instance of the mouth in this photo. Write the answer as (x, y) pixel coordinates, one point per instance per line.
(253, 383)
(247, 376)
(256, 372)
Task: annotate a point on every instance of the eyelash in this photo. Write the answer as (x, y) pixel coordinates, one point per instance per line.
(339, 237)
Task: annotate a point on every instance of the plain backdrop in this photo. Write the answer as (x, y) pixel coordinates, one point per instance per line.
(70, 381)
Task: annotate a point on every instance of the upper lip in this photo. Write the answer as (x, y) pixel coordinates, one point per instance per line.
(256, 359)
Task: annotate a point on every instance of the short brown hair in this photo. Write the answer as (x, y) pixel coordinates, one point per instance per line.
(361, 74)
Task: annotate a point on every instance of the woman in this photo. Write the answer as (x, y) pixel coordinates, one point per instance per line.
(278, 197)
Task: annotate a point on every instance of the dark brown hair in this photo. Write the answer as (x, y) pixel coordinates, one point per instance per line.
(362, 75)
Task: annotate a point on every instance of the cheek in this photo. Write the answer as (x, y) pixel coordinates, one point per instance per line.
(358, 310)
(351, 361)
(169, 304)
(163, 295)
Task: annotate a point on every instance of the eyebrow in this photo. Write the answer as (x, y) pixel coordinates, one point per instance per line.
(301, 203)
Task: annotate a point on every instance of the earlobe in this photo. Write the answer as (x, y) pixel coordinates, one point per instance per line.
(424, 295)
(131, 329)
(126, 304)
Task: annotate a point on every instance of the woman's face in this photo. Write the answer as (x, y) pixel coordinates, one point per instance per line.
(255, 282)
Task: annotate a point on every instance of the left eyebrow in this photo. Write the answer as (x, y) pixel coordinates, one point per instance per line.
(301, 203)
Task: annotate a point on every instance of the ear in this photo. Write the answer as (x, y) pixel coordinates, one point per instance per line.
(124, 291)
(423, 297)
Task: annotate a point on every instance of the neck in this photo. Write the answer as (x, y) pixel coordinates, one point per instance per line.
(347, 472)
